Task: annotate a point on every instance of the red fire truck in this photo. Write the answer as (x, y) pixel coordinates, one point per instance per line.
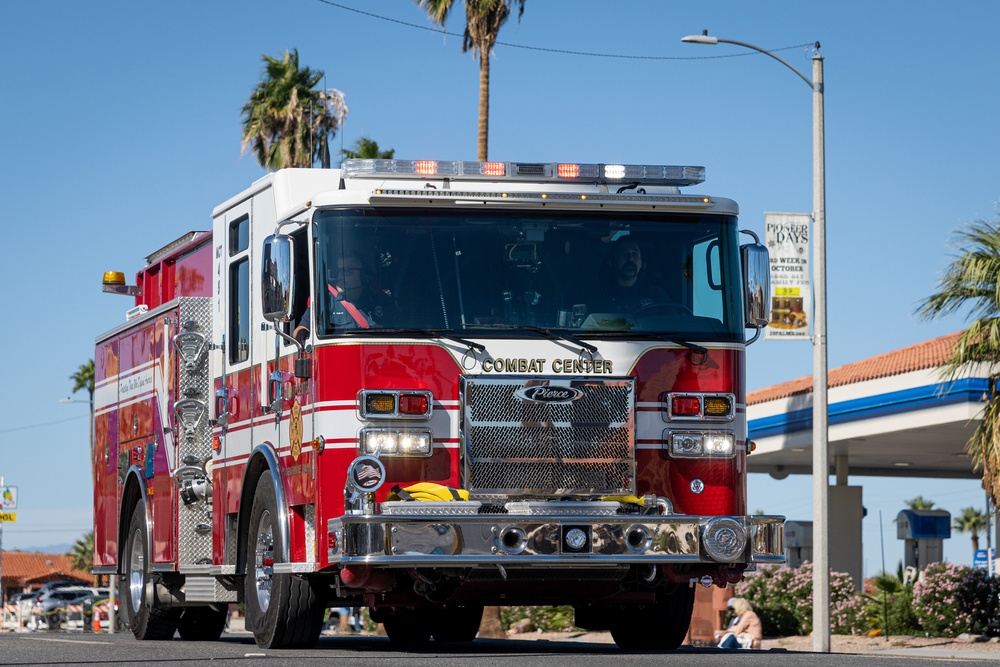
(423, 387)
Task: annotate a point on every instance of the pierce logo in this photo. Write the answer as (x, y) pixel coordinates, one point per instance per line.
(549, 394)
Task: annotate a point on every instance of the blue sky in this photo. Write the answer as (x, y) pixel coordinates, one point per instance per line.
(123, 125)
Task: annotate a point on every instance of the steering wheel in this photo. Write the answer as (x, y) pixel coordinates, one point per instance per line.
(662, 309)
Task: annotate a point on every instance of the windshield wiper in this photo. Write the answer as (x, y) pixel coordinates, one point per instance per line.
(551, 334)
(438, 333)
(649, 335)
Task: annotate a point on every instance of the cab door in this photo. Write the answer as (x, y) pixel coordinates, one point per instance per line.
(236, 386)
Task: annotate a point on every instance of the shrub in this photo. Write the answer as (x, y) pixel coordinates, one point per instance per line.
(782, 597)
(951, 599)
(546, 619)
(891, 601)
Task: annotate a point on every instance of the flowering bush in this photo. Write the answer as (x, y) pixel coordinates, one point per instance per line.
(951, 599)
(546, 619)
(782, 597)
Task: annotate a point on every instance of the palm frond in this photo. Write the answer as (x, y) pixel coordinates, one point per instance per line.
(972, 282)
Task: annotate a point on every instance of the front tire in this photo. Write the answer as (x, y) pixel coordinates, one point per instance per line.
(660, 626)
(145, 620)
(283, 610)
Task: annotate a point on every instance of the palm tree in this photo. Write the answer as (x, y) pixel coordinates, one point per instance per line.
(366, 148)
(483, 20)
(919, 503)
(971, 521)
(972, 281)
(83, 378)
(286, 121)
(81, 554)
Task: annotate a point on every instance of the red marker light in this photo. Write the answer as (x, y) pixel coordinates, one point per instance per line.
(493, 169)
(426, 167)
(568, 170)
(685, 406)
(413, 404)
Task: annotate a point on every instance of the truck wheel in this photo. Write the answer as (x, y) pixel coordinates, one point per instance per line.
(456, 625)
(408, 627)
(283, 610)
(661, 626)
(145, 621)
(202, 624)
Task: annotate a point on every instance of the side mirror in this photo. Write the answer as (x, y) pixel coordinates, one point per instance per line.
(276, 280)
(756, 284)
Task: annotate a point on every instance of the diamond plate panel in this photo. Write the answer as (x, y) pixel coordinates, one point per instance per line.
(190, 419)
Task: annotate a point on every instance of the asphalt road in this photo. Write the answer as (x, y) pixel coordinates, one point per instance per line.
(364, 651)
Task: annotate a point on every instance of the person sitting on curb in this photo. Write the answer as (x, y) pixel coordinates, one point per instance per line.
(747, 632)
(733, 620)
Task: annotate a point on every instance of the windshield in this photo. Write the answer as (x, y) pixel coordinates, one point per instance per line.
(487, 273)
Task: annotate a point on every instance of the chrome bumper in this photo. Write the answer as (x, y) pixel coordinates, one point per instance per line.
(528, 540)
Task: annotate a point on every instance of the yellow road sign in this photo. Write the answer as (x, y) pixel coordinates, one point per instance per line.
(8, 517)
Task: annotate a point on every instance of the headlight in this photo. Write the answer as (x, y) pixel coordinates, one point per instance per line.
(698, 444)
(395, 442)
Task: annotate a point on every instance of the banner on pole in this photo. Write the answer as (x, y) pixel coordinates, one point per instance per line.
(787, 239)
(8, 497)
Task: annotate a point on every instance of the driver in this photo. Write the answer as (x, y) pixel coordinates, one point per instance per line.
(355, 304)
(625, 287)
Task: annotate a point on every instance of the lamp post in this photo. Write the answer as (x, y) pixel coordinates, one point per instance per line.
(820, 462)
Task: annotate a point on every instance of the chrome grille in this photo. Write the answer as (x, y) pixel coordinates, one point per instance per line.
(515, 447)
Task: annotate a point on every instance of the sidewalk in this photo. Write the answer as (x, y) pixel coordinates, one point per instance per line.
(902, 645)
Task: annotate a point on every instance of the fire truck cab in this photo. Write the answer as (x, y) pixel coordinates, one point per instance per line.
(424, 387)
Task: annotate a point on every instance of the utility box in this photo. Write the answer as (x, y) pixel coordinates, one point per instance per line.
(798, 542)
(923, 533)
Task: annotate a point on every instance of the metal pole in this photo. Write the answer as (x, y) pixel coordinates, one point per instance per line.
(3, 591)
(821, 457)
(821, 469)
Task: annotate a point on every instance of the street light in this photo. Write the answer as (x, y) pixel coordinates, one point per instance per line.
(821, 468)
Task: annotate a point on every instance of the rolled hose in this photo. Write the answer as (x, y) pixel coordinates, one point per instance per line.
(427, 491)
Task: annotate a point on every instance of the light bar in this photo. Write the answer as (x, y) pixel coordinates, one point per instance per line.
(641, 174)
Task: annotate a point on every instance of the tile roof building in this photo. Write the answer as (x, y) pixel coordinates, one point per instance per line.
(23, 571)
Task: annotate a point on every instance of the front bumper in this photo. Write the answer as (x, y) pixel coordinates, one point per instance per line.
(442, 540)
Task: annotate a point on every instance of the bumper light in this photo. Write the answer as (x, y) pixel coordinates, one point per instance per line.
(724, 539)
(395, 442)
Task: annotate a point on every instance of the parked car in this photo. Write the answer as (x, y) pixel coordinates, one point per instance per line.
(49, 608)
(85, 616)
(62, 583)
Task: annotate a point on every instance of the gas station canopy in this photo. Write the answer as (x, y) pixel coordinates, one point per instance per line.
(895, 414)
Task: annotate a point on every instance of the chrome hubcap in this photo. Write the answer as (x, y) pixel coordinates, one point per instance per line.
(264, 560)
(136, 571)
